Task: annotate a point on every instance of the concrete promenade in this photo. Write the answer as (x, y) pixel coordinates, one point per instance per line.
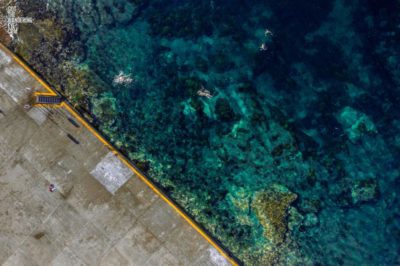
(102, 213)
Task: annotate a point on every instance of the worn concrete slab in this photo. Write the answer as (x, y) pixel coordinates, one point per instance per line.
(86, 221)
(19, 258)
(6, 104)
(113, 257)
(138, 245)
(90, 245)
(14, 76)
(4, 58)
(39, 115)
(162, 220)
(66, 258)
(111, 172)
(163, 257)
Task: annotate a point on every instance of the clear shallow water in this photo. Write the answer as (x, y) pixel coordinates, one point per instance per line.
(295, 157)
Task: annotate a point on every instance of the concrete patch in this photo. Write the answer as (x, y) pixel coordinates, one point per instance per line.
(217, 258)
(64, 225)
(16, 180)
(161, 220)
(39, 115)
(138, 245)
(40, 248)
(90, 245)
(163, 257)
(5, 59)
(61, 177)
(6, 103)
(5, 154)
(19, 258)
(111, 172)
(67, 257)
(13, 81)
(113, 257)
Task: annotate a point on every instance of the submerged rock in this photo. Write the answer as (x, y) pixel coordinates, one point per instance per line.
(364, 191)
(240, 198)
(355, 123)
(105, 107)
(294, 218)
(224, 110)
(310, 220)
(271, 207)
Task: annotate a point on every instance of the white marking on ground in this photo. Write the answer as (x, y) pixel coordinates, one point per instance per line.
(111, 172)
(217, 258)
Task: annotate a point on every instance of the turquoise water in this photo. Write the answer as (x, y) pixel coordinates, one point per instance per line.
(293, 159)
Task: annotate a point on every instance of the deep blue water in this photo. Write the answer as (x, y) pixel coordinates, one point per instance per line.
(303, 117)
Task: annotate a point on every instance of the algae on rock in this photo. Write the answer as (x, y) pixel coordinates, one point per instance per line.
(271, 207)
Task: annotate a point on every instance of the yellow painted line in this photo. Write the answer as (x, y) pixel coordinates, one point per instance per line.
(150, 184)
(89, 127)
(48, 105)
(38, 93)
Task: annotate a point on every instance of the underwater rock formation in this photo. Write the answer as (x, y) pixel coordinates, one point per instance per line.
(271, 207)
(105, 107)
(224, 111)
(355, 123)
(90, 15)
(310, 220)
(364, 191)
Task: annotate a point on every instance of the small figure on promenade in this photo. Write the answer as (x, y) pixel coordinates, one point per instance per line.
(52, 188)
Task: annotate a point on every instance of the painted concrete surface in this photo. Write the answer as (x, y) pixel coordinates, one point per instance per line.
(111, 172)
(81, 223)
